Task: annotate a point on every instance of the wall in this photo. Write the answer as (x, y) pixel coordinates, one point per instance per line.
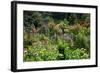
(5, 37)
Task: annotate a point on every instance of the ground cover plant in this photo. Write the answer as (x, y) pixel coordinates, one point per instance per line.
(52, 36)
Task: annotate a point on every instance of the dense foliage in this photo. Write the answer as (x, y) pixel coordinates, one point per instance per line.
(56, 36)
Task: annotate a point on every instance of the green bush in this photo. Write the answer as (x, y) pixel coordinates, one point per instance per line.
(75, 54)
(39, 52)
(82, 39)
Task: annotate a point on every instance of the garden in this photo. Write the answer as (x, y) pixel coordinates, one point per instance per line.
(50, 36)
